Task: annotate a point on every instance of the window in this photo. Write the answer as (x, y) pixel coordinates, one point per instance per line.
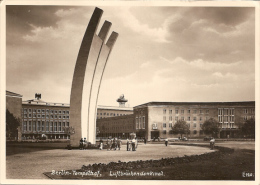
(34, 126)
(194, 125)
(59, 126)
(164, 125)
(43, 116)
(52, 111)
(164, 132)
(188, 111)
(67, 112)
(105, 114)
(25, 110)
(55, 126)
(29, 110)
(188, 119)
(39, 110)
(194, 111)
(194, 118)
(68, 124)
(47, 116)
(59, 117)
(25, 126)
(43, 111)
(164, 118)
(34, 110)
(170, 125)
(143, 122)
(47, 111)
(164, 111)
(176, 111)
(194, 131)
(140, 122)
(30, 126)
(170, 118)
(136, 122)
(25, 115)
(64, 112)
(176, 118)
(56, 112)
(51, 126)
(47, 126)
(64, 117)
(38, 116)
(111, 114)
(182, 111)
(34, 115)
(200, 118)
(170, 111)
(56, 116)
(59, 111)
(38, 126)
(245, 118)
(201, 111)
(42, 125)
(245, 111)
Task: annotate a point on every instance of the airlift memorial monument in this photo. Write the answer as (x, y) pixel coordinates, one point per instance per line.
(90, 65)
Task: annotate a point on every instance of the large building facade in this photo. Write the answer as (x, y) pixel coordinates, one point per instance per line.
(156, 119)
(44, 118)
(40, 118)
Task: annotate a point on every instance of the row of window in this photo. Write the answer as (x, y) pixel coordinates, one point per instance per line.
(140, 122)
(44, 126)
(117, 128)
(183, 118)
(193, 132)
(45, 116)
(171, 125)
(250, 111)
(194, 111)
(226, 118)
(43, 111)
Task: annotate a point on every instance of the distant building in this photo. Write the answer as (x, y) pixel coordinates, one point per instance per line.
(156, 119)
(14, 105)
(44, 118)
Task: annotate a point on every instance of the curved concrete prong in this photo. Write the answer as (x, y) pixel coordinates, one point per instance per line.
(89, 68)
(104, 30)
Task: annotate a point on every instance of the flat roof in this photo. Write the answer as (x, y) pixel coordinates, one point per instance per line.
(115, 108)
(41, 102)
(196, 103)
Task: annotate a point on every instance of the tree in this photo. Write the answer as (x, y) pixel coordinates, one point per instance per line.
(12, 124)
(181, 128)
(248, 128)
(69, 131)
(211, 126)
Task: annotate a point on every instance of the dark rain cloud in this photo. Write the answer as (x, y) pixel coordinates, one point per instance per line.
(19, 19)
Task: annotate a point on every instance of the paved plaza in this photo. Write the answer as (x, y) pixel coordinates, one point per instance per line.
(32, 165)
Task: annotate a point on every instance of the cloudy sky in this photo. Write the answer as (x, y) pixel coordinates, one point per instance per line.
(162, 53)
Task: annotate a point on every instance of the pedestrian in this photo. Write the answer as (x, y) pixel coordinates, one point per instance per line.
(119, 142)
(212, 143)
(101, 145)
(133, 144)
(127, 144)
(136, 143)
(115, 144)
(84, 144)
(81, 144)
(144, 140)
(166, 141)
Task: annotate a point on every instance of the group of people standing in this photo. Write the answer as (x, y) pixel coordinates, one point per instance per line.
(82, 144)
(114, 144)
(131, 144)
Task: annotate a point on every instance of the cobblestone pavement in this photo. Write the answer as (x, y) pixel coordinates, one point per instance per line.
(32, 165)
